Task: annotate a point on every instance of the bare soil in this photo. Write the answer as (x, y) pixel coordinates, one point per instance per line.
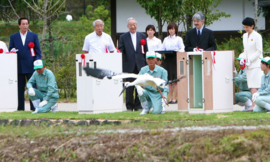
(225, 145)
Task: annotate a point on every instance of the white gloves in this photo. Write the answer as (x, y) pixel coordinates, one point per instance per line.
(43, 103)
(254, 96)
(242, 61)
(248, 63)
(140, 90)
(31, 91)
(235, 72)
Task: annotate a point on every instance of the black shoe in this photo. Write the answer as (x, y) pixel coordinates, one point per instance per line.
(174, 102)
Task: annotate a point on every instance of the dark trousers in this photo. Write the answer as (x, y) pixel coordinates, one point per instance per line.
(131, 102)
(21, 88)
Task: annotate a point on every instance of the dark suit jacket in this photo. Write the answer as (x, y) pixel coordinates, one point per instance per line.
(206, 42)
(129, 55)
(25, 60)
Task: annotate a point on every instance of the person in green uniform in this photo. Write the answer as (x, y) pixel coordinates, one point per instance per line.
(262, 96)
(242, 98)
(149, 96)
(45, 97)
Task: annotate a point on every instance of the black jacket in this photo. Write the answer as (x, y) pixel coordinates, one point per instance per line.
(206, 40)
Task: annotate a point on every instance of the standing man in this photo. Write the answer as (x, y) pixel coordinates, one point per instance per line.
(28, 47)
(46, 96)
(200, 36)
(133, 46)
(98, 41)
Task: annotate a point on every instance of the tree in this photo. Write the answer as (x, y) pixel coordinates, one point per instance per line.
(181, 11)
(47, 10)
(162, 11)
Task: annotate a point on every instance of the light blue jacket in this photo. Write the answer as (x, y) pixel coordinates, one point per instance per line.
(265, 85)
(45, 83)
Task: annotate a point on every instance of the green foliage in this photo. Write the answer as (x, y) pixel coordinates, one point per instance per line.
(86, 23)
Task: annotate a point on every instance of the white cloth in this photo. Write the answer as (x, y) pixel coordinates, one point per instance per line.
(153, 44)
(134, 39)
(174, 43)
(3, 46)
(253, 48)
(254, 76)
(98, 44)
(23, 37)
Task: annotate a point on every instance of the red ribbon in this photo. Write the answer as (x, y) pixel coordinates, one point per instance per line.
(31, 45)
(143, 42)
(83, 59)
(117, 50)
(106, 49)
(1, 51)
(214, 57)
(244, 65)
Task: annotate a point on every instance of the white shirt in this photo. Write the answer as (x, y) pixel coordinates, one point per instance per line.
(174, 43)
(153, 44)
(3, 46)
(23, 37)
(98, 44)
(253, 48)
(134, 39)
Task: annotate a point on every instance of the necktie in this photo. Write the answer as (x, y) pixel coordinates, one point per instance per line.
(199, 33)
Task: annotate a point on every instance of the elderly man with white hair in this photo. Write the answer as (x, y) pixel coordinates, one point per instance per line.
(98, 41)
(133, 46)
(200, 37)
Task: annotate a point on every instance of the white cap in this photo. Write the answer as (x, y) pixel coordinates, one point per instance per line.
(38, 64)
(159, 56)
(150, 54)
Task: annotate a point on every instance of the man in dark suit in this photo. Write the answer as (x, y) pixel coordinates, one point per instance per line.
(22, 41)
(133, 56)
(200, 36)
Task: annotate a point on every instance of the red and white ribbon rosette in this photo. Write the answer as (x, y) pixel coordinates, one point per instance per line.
(31, 45)
(1, 51)
(143, 42)
(83, 59)
(244, 65)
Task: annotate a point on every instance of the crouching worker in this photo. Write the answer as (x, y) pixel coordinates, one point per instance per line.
(262, 96)
(242, 98)
(45, 97)
(150, 96)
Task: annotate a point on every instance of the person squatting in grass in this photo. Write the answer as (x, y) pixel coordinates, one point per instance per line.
(242, 98)
(47, 90)
(262, 96)
(149, 96)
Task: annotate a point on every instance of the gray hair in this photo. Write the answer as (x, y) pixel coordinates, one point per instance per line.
(198, 16)
(97, 20)
(131, 18)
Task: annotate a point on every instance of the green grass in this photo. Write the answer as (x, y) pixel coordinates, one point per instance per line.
(180, 118)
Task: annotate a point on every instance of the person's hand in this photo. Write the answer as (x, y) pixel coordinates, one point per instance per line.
(235, 72)
(31, 91)
(139, 90)
(254, 96)
(248, 63)
(43, 103)
(242, 61)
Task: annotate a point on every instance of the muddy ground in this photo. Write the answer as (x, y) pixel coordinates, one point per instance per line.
(225, 145)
